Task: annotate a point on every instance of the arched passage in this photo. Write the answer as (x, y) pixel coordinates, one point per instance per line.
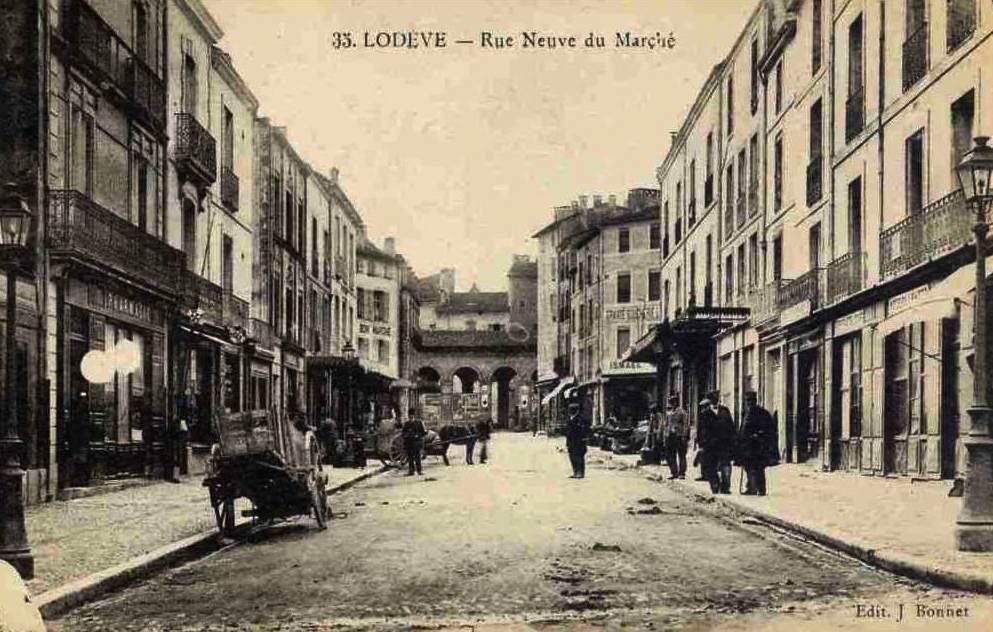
(503, 396)
(465, 380)
(428, 379)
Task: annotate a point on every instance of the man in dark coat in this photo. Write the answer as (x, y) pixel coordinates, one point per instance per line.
(717, 442)
(483, 429)
(413, 432)
(677, 434)
(755, 442)
(575, 440)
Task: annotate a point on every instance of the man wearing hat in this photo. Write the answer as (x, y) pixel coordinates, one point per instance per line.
(677, 434)
(756, 444)
(716, 438)
(575, 440)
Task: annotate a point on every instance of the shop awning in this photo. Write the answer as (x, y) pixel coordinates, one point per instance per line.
(939, 302)
(646, 348)
(401, 383)
(558, 389)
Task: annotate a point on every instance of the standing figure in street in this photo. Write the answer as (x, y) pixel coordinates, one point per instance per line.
(575, 440)
(483, 429)
(716, 437)
(677, 433)
(756, 443)
(413, 442)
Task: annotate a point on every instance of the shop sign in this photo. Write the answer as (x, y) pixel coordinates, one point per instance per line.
(618, 367)
(633, 313)
(901, 302)
(381, 330)
(121, 306)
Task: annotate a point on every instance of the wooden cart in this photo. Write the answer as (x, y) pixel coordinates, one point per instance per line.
(274, 463)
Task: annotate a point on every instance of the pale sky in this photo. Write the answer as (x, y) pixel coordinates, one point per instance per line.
(461, 152)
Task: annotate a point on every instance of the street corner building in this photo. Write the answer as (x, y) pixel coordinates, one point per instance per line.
(188, 264)
(809, 241)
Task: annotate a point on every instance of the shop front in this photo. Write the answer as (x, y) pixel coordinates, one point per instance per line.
(111, 382)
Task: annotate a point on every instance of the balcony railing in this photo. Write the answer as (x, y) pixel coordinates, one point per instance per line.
(854, 114)
(104, 51)
(203, 301)
(739, 209)
(938, 229)
(915, 56)
(79, 227)
(815, 188)
(804, 288)
(846, 275)
(262, 333)
(708, 190)
(961, 23)
(196, 149)
(764, 302)
(753, 198)
(236, 311)
(229, 189)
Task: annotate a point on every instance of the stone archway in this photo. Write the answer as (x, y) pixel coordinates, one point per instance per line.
(502, 392)
(466, 380)
(428, 380)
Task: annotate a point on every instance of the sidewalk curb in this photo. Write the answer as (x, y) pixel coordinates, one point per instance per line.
(885, 560)
(57, 601)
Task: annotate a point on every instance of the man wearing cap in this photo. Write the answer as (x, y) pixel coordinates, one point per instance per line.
(677, 433)
(755, 443)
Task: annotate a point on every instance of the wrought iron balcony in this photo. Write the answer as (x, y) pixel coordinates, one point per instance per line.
(229, 189)
(203, 301)
(753, 198)
(262, 333)
(961, 23)
(740, 209)
(806, 287)
(196, 150)
(764, 302)
(815, 188)
(98, 47)
(846, 275)
(941, 227)
(915, 56)
(854, 114)
(80, 228)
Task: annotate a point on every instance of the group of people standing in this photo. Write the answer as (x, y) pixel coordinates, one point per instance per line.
(720, 442)
(415, 435)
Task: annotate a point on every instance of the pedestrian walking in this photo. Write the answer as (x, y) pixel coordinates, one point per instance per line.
(470, 444)
(716, 437)
(757, 447)
(575, 440)
(677, 433)
(413, 432)
(484, 427)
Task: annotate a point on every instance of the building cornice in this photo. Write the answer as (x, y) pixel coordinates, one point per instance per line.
(221, 62)
(201, 18)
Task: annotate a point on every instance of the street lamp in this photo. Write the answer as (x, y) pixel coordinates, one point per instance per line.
(974, 527)
(15, 227)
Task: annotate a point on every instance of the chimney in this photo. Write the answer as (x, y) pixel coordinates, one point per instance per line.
(612, 200)
(389, 245)
(597, 200)
(583, 201)
(575, 205)
(672, 137)
(333, 175)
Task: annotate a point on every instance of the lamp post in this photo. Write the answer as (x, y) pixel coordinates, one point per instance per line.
(974, 527)
(15, 226)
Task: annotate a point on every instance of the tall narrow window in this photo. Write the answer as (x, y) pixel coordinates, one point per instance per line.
(708, 185)
(729, 280)
(624, 287)
(654, 285)
(679, 287)
(778, 94)
(963, 115)
(692, 279)
(190, 234)
(855, 102)
(141, 35)
(915, 57)
(855, 215)
(753, 174)
(691, 192)
(623, 240)
(655, 236)
(623, 340)
(708, 289)
(81, 152)
(815, 166)
(814, 241)
(228, 142)
(816, 36)
(740, 271)
(730, 102)
(753, 260)
(777, 185)
(189, 85)
(141, 177)
(741, 203)
(777, 257)
(227, 264)
(314, 263)
(961, 23)
(729, 202)
(915, 172)
(754, 94)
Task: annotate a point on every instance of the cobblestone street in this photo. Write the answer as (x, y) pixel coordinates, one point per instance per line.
(516, 544)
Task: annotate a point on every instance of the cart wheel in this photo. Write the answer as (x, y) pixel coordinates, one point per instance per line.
(398, 455)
